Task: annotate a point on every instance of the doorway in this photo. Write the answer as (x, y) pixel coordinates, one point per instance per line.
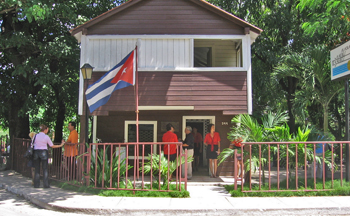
(201, 123)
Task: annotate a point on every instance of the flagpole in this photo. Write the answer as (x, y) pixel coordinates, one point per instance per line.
(137, 110)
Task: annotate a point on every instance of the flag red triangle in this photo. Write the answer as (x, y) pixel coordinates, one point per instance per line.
(126, 72)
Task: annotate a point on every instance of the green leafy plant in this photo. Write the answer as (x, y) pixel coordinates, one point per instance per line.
(273, 129)
(97, 163)
(160, 166)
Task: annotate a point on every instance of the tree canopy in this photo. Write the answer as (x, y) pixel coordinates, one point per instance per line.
(290, 30)
(40, 61)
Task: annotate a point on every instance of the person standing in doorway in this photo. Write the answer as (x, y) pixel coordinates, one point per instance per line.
(213, 140)
(198, 139)
(188, 144)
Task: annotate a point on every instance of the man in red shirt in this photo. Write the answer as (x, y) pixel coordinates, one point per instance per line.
(170, 136)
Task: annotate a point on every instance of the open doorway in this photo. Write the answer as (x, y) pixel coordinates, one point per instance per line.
(201, 123)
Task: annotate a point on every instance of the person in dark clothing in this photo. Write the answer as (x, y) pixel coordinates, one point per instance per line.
(188, 144)
(198, 139)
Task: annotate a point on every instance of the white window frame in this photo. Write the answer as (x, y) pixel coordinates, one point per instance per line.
(126, 124)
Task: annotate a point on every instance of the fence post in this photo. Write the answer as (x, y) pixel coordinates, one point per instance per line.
(88, 164)
(235, 169)
(185, 169)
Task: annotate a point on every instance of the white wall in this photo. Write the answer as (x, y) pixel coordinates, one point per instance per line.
(103, 54)
(165, 53)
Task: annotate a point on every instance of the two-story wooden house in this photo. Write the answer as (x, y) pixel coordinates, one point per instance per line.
(194, 67)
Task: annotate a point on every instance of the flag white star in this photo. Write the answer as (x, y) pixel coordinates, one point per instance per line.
(124, 71)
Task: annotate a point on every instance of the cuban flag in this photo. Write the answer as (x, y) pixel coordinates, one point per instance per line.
(120, 76)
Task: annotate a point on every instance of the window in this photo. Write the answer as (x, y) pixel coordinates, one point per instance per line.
(147, 133)
(217, 53)
(202, 57)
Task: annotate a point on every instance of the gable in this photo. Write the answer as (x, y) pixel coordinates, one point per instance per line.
(164, 17)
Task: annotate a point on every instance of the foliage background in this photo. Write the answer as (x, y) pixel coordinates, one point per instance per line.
(39, 60)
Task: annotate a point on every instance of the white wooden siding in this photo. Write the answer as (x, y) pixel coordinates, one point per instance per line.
(165, 53)
(223, 51)
(104, 54)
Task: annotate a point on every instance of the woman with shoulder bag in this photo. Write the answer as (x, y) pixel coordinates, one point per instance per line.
(41, 155)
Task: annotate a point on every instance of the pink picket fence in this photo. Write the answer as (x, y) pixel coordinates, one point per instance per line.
(293, 161)
(113, 166)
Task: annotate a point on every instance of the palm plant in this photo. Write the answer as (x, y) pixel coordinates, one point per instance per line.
(249, 130)
(273, 129)
(161, 166)
(311, 67)
(101, 160)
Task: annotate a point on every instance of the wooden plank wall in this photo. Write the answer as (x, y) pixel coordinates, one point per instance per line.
(215, 91)
(111, 128)
(165, 17)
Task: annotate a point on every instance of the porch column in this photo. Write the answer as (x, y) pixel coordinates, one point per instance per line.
(247, 64)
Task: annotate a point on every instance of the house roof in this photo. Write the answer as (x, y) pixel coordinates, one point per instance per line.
(130, 3)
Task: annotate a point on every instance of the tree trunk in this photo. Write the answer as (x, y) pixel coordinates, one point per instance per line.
(59, 125)
(325, 118)
(61, 113)
(18, 125)
(247, 177)
(289, 85)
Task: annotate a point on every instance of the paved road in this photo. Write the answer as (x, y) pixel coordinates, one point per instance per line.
(11, 204)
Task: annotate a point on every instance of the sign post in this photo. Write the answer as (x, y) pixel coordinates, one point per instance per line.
(340, 69)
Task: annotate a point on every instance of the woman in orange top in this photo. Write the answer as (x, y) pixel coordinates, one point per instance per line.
(212, 140)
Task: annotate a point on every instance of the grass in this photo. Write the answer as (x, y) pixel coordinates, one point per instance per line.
(125, 193)
(337, 190)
